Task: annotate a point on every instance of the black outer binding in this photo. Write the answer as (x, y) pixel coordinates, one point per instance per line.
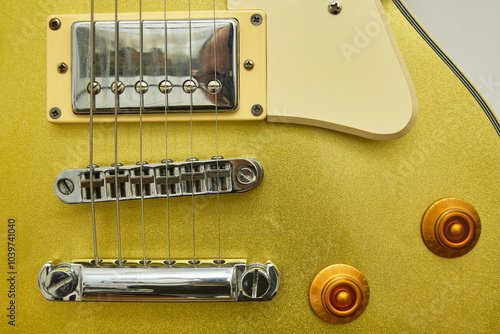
(450, 64)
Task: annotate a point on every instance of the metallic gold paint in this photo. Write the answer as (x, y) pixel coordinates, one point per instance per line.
(326, 198)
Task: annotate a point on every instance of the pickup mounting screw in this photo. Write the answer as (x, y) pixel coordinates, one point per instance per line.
(257, 110)
(256, 19)
(65, 186)
(214, 86)
(62, 68)
(335, 7)
(55, 113)
(245, 175)
(55, 24)
(248, 64)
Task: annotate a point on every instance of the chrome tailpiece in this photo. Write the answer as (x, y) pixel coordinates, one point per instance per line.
(158, 281)
(172, 179)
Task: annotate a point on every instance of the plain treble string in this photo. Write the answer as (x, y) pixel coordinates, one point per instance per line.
(91, 120)
(166, 130)
(141, 109)
(117, 108)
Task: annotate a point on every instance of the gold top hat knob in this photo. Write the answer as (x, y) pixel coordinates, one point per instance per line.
(451, 227)
(339, 294)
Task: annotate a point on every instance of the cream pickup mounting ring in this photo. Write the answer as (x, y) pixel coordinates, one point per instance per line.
(179, 73)
(172, 179)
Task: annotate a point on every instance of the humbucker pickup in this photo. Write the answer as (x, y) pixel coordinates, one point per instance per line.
(166, 179)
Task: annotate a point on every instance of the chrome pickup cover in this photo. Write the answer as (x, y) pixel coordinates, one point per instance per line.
(172, 179)
(180, 281)
(182, 62)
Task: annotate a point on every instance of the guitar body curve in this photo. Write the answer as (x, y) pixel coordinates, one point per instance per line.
(326, 198)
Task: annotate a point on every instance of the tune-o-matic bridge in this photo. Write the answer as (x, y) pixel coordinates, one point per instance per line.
(172, 179)
(159, 281)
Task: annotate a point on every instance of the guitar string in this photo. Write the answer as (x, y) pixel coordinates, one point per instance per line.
(166, 131)
(216, 95)
(191, 128)
(117, 108)
(141, 109)
(91, 120)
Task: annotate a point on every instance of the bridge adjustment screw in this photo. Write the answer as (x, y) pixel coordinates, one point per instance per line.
(61, 282)
(220, 157)
(257, 110)
(138, 163)
(54, 24)
(62, 68)
(248, 64)
(192, 159)
(167, 161)
(255, 282)
(65, 186)
(55, 113)
(256, 19)
(335, 7)
(245, 175)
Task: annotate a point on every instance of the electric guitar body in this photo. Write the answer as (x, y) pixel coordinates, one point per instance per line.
(326, 198)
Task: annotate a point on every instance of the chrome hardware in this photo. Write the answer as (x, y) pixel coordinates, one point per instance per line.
(256, 19)
(55, 113)
(165, 87)
(248, 64)
(121, 87)
(214, 86)
(141, 87)
(177, 281)
(54, 24)
(335, 7)
(154, 71)
(189, 86)
(96, 88)
(62, 68)
(208, 177)
(257, 110)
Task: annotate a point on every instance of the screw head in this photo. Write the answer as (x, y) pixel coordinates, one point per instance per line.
(214, 86)
(255, 282)
(256, 19)
(55, 113)
(245, 175)
(121, 87)
(165, 161)
(96, 88)
(192, 159)
(141, 87)
(219, 158)
(138, 163)
(257, 110)
(189, 86)
(60, 282)
(248, 64)
(62, 68)
(65, 186)
(335, 7)
(54, 24)
(165, 86)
